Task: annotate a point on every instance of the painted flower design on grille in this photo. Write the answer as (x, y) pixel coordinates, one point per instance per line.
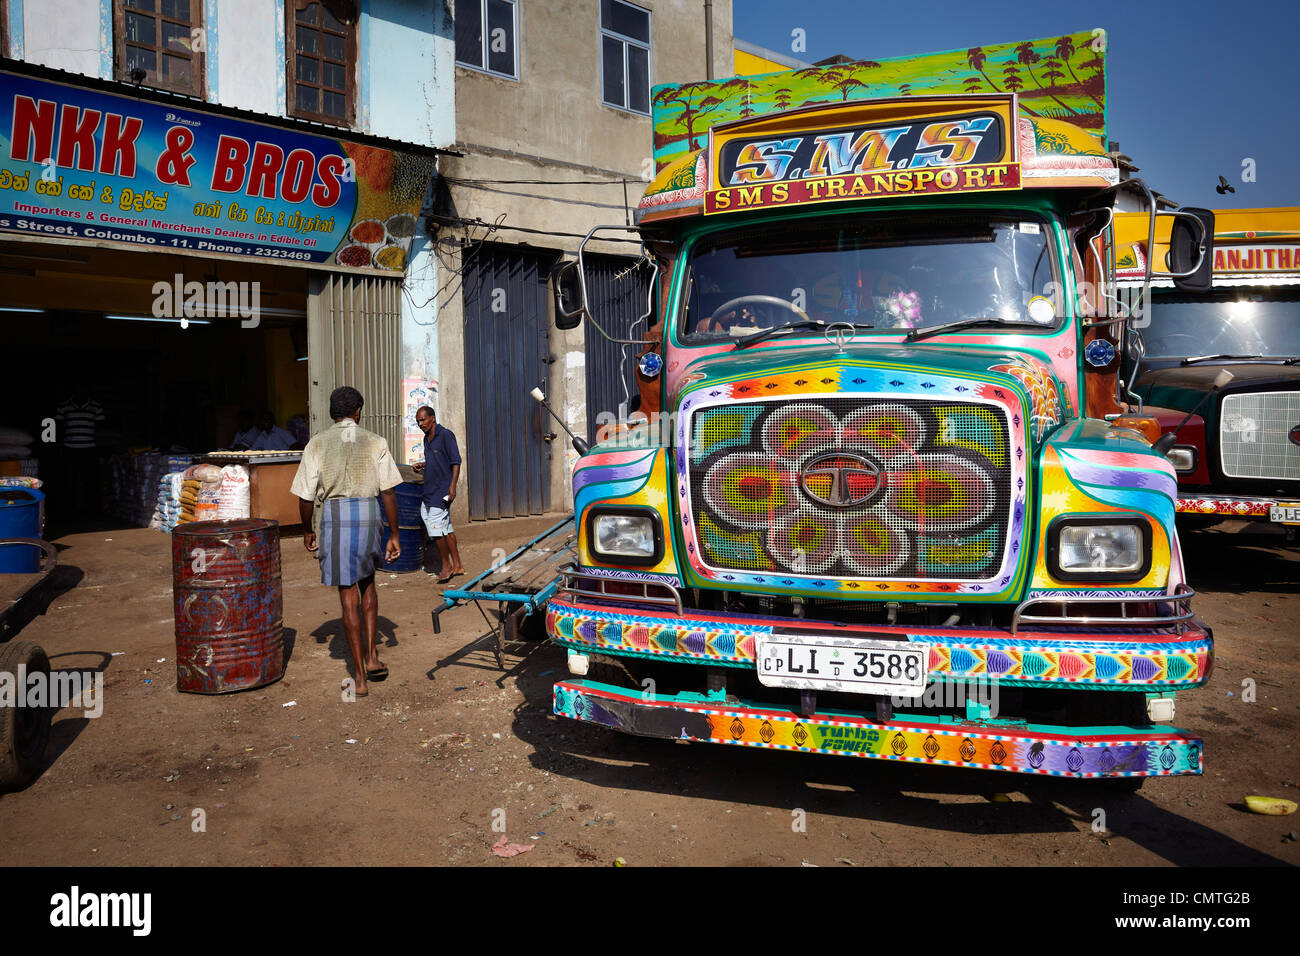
(1045, 400)
(854, 492)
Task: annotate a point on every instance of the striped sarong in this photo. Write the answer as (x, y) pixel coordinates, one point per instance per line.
(349, 539)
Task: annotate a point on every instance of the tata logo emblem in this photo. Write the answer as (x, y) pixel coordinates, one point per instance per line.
(841, 480)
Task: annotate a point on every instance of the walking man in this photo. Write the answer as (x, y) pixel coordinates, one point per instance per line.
(441, 467)
(344, 471)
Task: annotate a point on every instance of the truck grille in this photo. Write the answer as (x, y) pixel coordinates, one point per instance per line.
(852, 488)
(1253, 435)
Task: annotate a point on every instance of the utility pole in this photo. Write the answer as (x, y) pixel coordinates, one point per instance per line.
(708, 38)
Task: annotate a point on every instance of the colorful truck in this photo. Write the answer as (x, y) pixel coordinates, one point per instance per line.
(1235, 446)
(873, 507)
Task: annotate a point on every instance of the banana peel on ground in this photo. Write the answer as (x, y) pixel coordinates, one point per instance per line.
(1271, 806)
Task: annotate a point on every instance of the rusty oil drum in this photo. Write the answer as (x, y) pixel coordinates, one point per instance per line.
(229, 605)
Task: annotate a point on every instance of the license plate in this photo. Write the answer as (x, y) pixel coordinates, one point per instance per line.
(1284, 514)
(862, 666)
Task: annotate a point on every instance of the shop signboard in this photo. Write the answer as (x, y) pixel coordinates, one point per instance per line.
(76, 162)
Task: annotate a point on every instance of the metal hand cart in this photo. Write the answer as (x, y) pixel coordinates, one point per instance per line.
(520, 585)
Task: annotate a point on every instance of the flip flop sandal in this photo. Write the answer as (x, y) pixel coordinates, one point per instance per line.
(378, 674)
(446, 579)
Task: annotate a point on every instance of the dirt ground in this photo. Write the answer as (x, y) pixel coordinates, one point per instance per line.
(421, 770)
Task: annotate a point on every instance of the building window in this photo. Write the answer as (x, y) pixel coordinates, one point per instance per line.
(321, 52)
(625, 55)
(160, 43)
(494, 49)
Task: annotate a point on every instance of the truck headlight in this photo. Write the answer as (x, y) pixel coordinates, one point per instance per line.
(1106, 548)
(625, 535)
(1183, 458)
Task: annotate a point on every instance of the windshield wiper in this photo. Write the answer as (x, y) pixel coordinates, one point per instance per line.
(799, 324)
(1270, 359)
(917, 334)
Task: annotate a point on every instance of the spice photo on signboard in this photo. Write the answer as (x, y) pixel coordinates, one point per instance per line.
(390, 188)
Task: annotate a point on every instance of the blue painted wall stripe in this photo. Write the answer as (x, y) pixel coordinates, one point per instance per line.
(211, 51)
(281, 66)
(105, 39)
(362, 120)
(16, 29)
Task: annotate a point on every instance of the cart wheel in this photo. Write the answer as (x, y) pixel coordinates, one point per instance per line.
(24, 731)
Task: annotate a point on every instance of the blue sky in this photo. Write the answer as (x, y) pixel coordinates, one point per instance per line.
(1193, 88)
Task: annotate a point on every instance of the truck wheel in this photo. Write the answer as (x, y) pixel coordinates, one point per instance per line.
(24, 731)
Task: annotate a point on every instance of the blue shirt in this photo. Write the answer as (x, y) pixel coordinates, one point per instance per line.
(440, 454)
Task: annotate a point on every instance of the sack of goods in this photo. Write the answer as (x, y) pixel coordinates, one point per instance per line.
(168, 513)
(134, 481)
(235, 498)
(16, 452)
(189, 497)
(21, 482)
(206, 473)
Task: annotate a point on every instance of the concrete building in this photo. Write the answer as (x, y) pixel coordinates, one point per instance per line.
(347, 282)
(553, 127)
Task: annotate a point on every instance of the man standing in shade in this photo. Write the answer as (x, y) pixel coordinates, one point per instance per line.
(441, 467)
(346, 470)
(267, 436)
(79, 417)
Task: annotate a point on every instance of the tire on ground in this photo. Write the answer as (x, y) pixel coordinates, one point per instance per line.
(24, 731)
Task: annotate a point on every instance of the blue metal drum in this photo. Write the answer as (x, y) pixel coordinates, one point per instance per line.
(410, 529)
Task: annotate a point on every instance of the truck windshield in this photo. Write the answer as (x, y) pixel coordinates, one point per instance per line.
(1238, 323)
(883, 274)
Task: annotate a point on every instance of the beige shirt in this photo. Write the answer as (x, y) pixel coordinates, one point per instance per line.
(345, 461)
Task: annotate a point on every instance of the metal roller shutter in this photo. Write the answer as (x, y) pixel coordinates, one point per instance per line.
(508, 459)
(354, 325)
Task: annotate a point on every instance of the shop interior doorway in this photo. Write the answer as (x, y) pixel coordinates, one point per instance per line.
(80, 329)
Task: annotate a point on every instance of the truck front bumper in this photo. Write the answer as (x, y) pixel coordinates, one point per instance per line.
(1110, 658)
(1051, 751)
(1228, 506)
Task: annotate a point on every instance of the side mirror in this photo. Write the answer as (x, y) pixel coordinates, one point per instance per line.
(570, 303)
(1191, 250)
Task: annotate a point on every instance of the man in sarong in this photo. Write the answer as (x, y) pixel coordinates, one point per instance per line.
(344, 473)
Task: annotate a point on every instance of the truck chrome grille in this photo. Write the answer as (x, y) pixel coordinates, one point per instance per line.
(1253, 435)
(852, 488)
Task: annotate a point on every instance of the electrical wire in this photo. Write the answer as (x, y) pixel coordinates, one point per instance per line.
(458, 181)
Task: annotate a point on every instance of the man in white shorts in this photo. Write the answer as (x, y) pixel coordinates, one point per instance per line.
(441, 467)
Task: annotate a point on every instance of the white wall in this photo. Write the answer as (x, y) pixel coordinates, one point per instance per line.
(68, 35)
(249, 60)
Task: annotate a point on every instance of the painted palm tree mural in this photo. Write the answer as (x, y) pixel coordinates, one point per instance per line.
(1065, 51)
(693, 102)
(1028, 57)
(1062, 77)
(976, 59)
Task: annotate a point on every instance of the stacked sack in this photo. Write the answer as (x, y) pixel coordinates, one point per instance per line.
(16, 453)
(189, 496)
(235, 498)
(168, 512)
(200, 493)
(134, 480)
